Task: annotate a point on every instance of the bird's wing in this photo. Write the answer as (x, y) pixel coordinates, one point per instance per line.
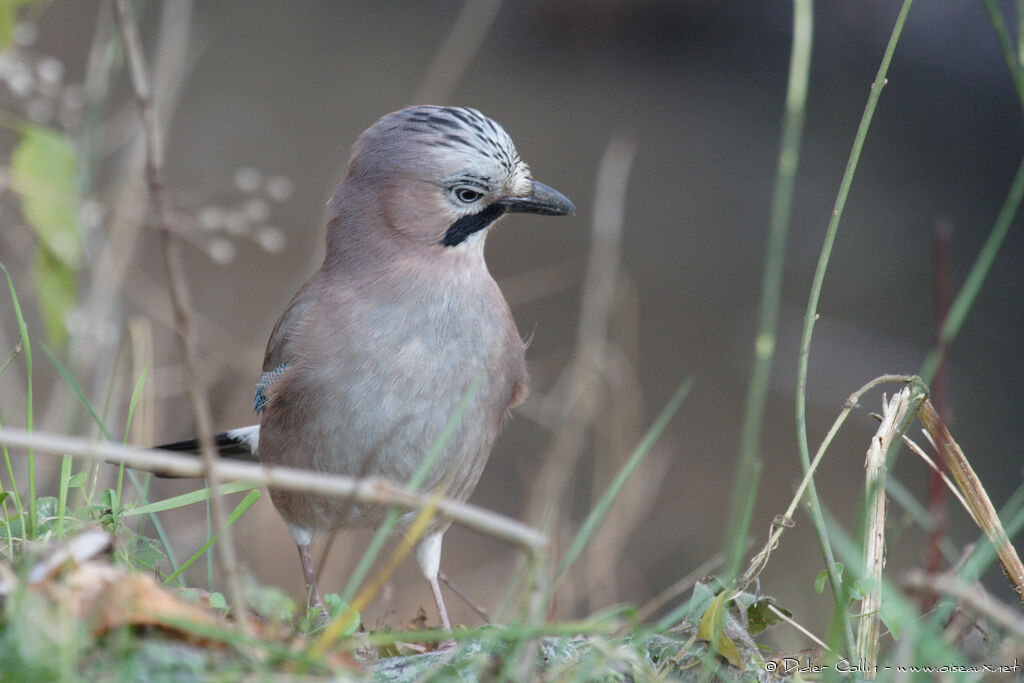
(280, 351)
(278, 346)
(259, 400)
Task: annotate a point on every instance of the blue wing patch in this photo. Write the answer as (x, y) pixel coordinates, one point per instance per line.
(259, 401)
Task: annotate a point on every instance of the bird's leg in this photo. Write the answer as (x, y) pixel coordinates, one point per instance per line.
(303, 537)
(428, 554)
(435, 587)
(312, 591)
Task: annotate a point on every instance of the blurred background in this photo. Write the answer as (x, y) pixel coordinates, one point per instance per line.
(262, 101)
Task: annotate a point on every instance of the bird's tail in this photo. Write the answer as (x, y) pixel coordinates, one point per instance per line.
(234, 444)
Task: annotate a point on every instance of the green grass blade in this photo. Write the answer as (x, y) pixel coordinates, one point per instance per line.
(995, 18)
(597, 514)
(190, 498)
(72, 383)
(10, 358)
(239, 510)
(139, 488)
(748, 472)
(132, 405)
(134, 402)
(26, 346)
(812, 314)
(976, 278)
(66, 463)
(15, 497)
(165, 541)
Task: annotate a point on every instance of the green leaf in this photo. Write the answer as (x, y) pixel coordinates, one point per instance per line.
(819, 581)
(57, 286)
(8, 20)
(76, 480)
(862, 587)
(760, 616)
(218, 601)
(892, 617)
(44, 170)
(336, 607)
(712, 630)
(822, 578)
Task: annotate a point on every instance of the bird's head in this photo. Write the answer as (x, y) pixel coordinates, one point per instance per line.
(444, 175)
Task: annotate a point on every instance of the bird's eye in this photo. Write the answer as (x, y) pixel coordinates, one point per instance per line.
(467, 195)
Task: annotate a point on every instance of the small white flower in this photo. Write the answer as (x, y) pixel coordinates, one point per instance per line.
(247, 179)
(279, 188)
(211, 218)
(50, 70)
(271, 239)
(221, 251)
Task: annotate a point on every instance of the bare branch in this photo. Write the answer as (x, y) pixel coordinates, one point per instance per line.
(371, 490)
(179, 289)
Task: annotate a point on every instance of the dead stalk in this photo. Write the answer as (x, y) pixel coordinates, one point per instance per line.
(371, 490)
(978, 503)
(896, 417)
(135, 60)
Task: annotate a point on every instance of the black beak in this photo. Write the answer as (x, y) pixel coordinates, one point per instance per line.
(544, 200)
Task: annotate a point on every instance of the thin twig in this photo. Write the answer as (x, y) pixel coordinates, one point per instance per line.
(94, 353)
(179, 293)
(480, 611)
(372, 490)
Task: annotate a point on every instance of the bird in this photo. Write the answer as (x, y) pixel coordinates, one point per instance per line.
(401, 323)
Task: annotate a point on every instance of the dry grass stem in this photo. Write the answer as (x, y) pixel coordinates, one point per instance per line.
(896, 414)
(978, 502)
(578, 390)
(973, 595)
(370, 490)
(759, 561)
(917, 450)
(456, 52)
(151, 132)
(799, 627)
(616, 429)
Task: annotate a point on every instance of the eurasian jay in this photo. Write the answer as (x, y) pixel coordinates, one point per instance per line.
(376, 351)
